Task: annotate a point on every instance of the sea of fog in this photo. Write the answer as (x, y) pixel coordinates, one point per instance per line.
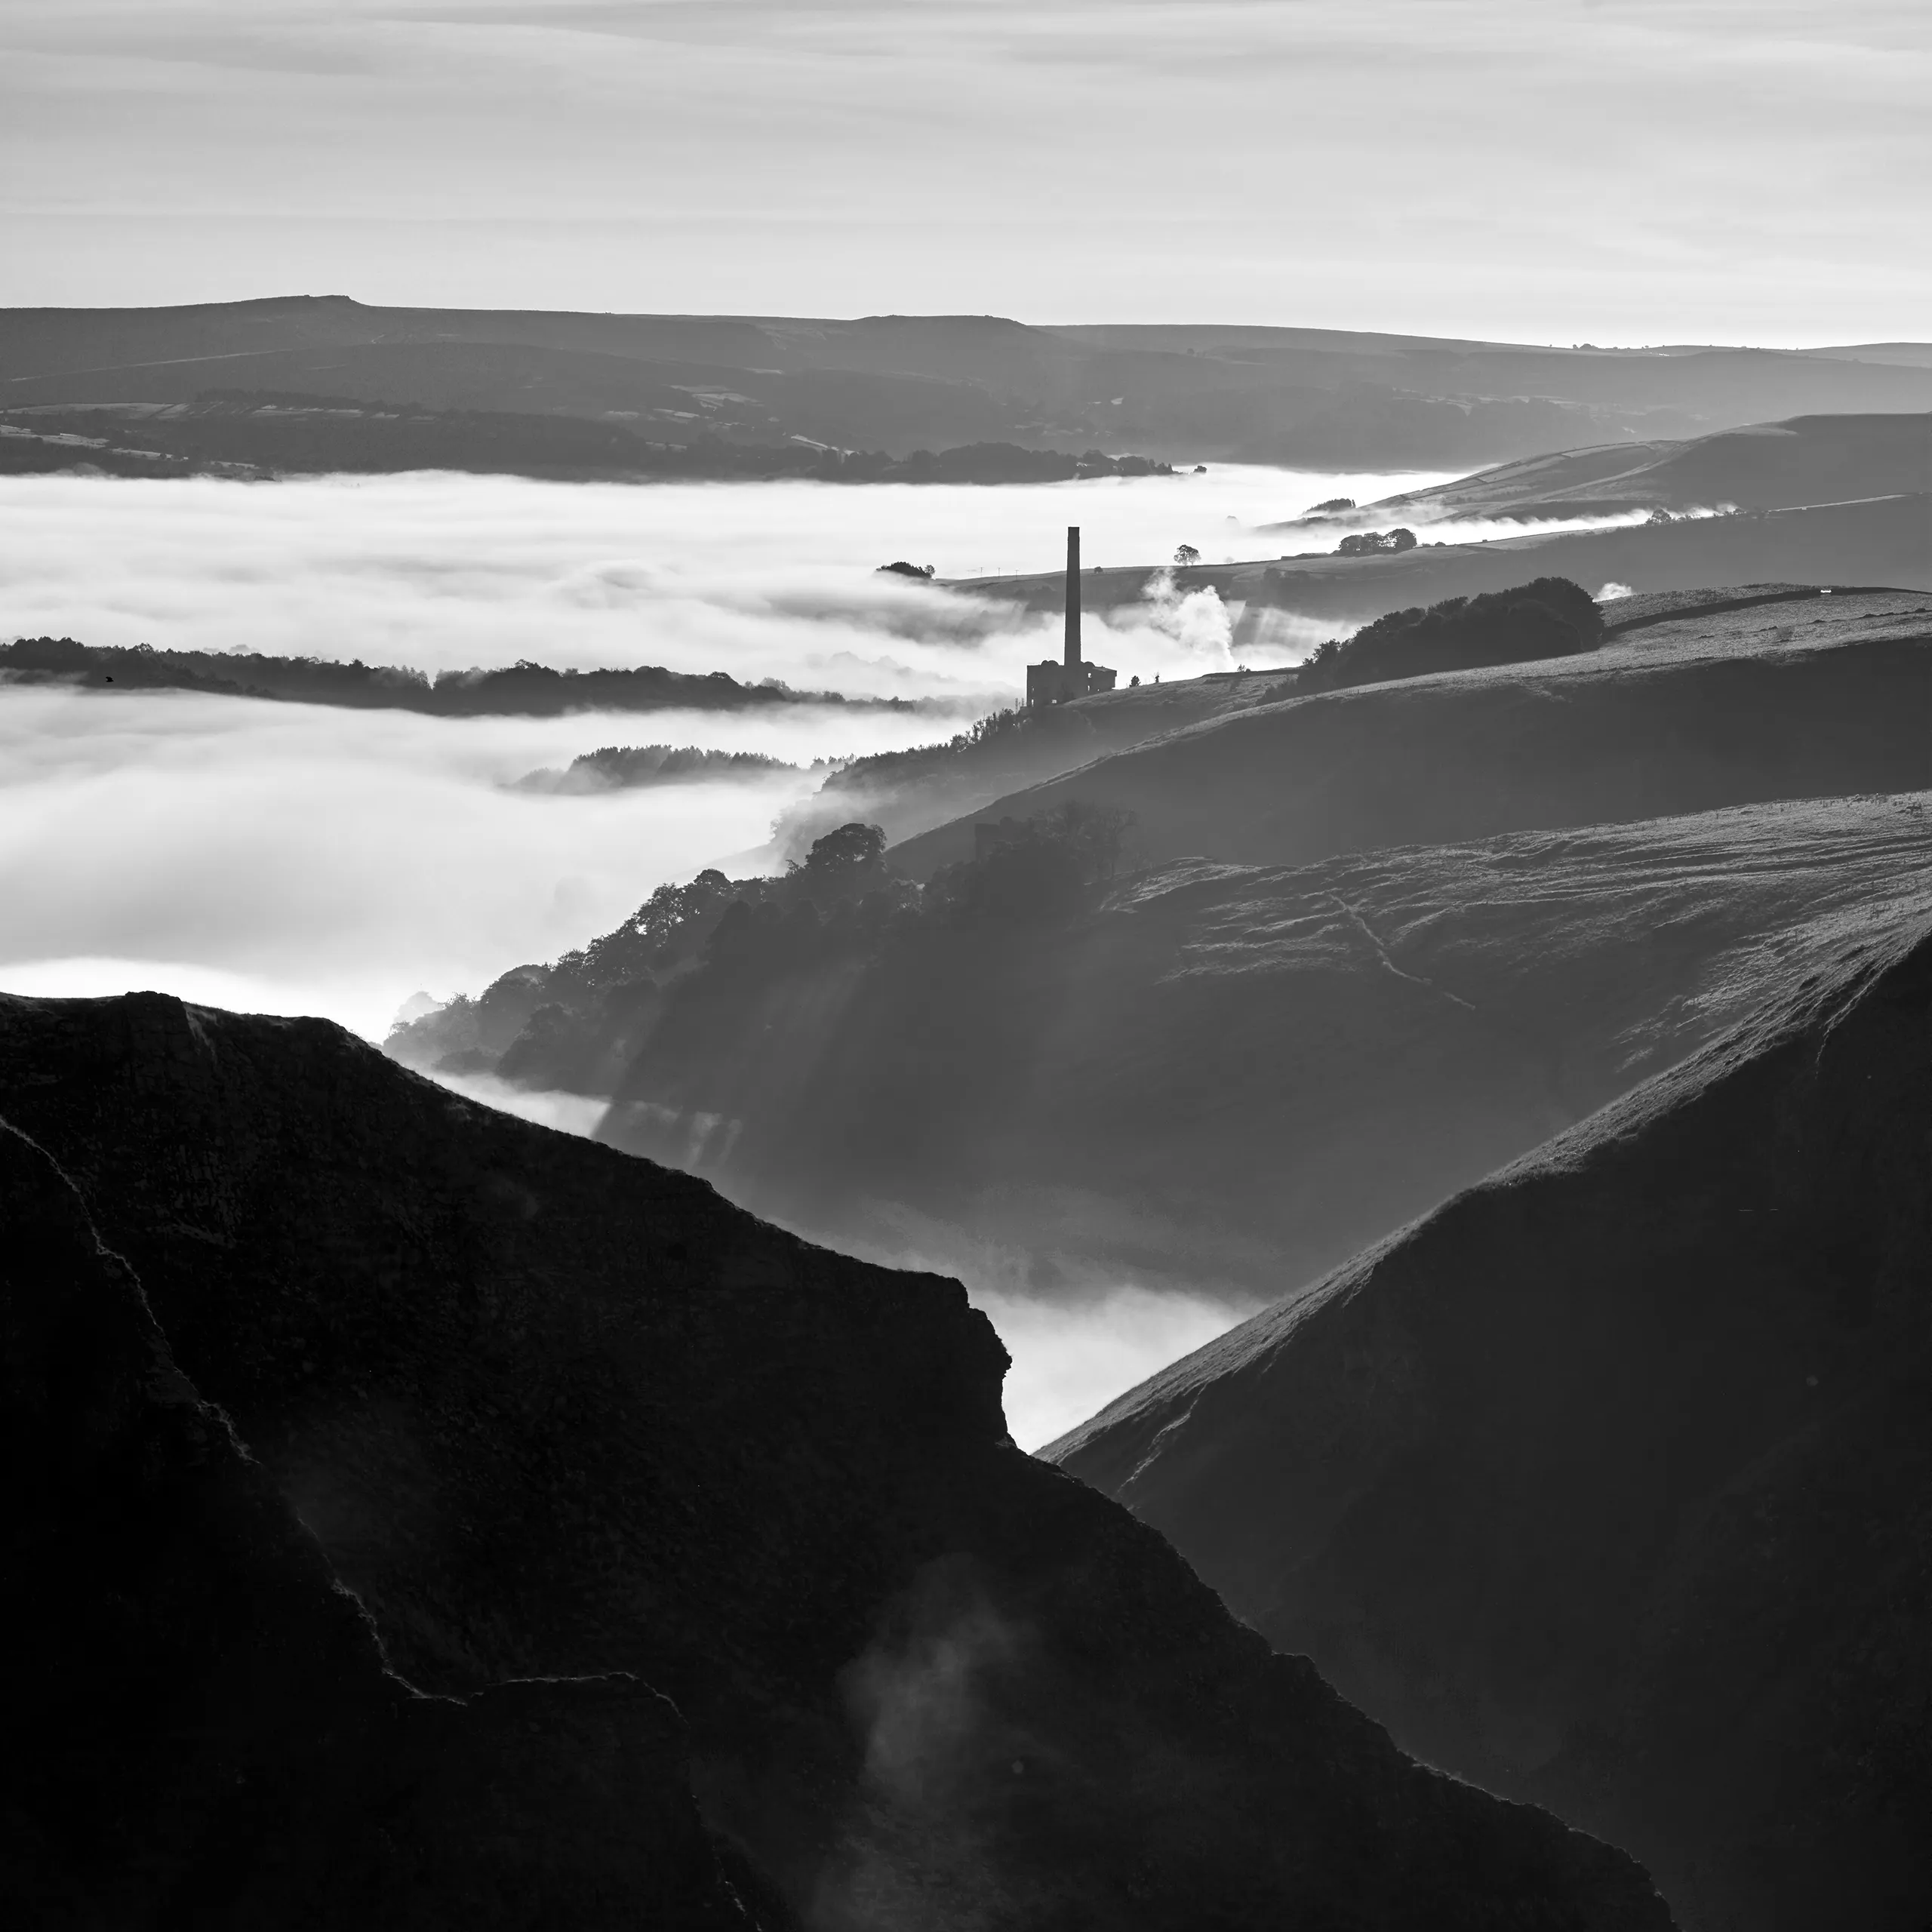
(295, 858)
(299, 859)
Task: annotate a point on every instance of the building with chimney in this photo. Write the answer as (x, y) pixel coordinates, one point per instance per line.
(1050, 683)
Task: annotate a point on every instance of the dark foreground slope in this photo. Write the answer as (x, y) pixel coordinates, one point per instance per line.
(548, 1409)
(1235, 1077)
(1805, 700)
(202, 1730)
(1610, 1484)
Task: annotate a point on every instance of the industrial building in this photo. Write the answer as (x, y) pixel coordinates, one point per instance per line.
(1050, 683)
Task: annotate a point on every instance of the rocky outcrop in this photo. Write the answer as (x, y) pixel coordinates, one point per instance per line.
(202, 1730)
(1609, 1485)
(550, 1410)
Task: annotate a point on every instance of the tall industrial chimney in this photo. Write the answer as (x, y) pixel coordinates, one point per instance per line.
(1071, 658)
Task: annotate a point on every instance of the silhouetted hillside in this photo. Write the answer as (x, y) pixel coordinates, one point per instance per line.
(1802, 698)
(1609, 1485)
(208, 1732)
(524, 689)
(548, 1409)
(1307, 398)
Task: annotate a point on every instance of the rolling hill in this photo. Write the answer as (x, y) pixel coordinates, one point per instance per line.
(1311, 399)
(1766, 466)
(1228, 1079)
(1807, 697)
(1887, 540)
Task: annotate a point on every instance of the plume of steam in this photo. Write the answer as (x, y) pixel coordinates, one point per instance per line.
(1197, 620)
(1613, 590)
(919, 1695)
(934, 1702)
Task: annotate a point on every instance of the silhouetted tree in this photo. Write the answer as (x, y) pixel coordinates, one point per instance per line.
(854, 848)
(1187, 554)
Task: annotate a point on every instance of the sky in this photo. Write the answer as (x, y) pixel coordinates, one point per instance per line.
(1626, 171)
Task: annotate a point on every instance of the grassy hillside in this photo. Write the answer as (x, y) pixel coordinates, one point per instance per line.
(1796, 698)
(1888, 541)
(1768, 465)
(1228, 1076)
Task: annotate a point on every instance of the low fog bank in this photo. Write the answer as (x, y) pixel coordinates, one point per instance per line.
(442, 572)
(284, 857)
(290, 859)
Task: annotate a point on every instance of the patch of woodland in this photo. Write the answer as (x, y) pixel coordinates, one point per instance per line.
(1550, 616)
(291, 433)
(693, 960)
(524, 690)
(626, 767)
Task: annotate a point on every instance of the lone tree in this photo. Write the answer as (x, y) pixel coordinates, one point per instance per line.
(852, 848)
(1187, 554)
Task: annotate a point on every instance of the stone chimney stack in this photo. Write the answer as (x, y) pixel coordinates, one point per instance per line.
(1071, 658)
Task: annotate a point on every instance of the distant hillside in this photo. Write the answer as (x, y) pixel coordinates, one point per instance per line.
(518, 690)
(1609, 1485)
(1886, 542)
(1311, 399)
(251, 433)
(1813, 695)
(1767, 467)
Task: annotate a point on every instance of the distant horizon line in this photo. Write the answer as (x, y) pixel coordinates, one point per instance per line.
(965, 316)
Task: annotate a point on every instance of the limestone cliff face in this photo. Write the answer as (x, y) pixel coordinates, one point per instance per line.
(550, 1410)
(1609, 1485)
(202, 1730)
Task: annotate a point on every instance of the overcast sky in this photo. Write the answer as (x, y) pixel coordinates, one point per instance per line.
(1627, 170)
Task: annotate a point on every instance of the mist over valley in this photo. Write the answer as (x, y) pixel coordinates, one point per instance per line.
(791, 1110)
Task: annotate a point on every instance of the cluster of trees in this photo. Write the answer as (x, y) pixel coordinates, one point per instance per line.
(1372, 543)
(1032, 871)
(526, 690)
(986, 462)
(613, 768)
(1549, 617)
(699, 954)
